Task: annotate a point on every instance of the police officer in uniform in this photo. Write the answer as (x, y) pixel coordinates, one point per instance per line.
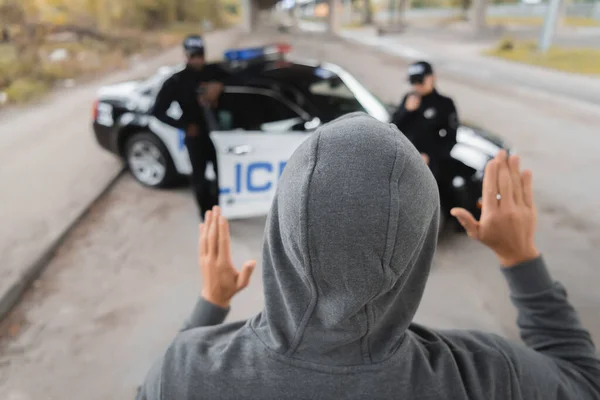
(427, 118)
(196, 88)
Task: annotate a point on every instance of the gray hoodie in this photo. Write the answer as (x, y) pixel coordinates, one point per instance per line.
(348, 247)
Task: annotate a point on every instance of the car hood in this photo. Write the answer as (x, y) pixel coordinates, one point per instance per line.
(479, 140)
(119, 91)
(475, 148)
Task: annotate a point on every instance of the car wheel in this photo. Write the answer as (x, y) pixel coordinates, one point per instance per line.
(149, 161)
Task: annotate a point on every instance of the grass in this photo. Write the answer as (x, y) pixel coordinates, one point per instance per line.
(537, 21)
(353, 25)
(580, 61)
(24, 89)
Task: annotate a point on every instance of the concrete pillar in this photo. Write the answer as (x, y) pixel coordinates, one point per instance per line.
(250, 15)
(479, 13)
(333, 16)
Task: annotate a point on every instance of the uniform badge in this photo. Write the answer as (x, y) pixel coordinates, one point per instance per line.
(429, 113)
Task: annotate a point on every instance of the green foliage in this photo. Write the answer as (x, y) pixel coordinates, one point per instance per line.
(24, 89)
(101, 34)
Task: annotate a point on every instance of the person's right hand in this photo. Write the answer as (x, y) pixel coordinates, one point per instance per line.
(507, 226)
(192, 131)
(412, 102)
(221, 280)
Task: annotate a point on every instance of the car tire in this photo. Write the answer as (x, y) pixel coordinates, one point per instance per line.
(149, 161)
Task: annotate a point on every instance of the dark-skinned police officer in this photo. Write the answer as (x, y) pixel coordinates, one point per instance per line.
(196, 88)
(427, 118)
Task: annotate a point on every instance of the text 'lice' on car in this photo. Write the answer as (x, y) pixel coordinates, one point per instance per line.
(260, 120)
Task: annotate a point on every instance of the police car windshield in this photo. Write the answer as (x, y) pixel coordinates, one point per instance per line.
(368, 101)
(333, 91)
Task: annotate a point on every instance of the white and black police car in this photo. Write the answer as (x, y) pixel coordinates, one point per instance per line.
(257, 125)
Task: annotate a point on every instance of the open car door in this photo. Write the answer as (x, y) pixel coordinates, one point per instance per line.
(258, 132)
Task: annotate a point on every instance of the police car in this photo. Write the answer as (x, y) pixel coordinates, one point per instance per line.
(258, 124)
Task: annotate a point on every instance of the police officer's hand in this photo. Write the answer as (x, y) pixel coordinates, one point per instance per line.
(192, 130)
(212, 92)
(413, 102)
(508, 221)
(425, 158)
(221, 280)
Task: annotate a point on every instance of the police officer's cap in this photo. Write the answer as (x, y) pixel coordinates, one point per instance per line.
(418, 71)
(194, 45)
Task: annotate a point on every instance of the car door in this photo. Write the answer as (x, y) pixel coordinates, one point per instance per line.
(258, 130)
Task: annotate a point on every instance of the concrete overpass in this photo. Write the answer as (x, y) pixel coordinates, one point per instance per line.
(252, 8)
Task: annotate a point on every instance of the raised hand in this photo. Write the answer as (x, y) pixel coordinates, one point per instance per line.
(221, 280)
(508, 216)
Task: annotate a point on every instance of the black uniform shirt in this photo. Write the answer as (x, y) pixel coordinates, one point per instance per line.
(431, 127)
(183, 88)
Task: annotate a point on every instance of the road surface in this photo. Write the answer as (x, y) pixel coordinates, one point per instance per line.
(122, 285)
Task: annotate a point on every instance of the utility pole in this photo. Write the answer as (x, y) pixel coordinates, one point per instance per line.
(333, 17)
(391, 11)
(250, 14)
(549, 26)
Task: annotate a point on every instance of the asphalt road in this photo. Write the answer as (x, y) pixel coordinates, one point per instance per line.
(123, 283)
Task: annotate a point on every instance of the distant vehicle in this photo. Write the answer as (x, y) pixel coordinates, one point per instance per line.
(274, 106)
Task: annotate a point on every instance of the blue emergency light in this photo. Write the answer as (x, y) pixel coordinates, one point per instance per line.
(255, 53)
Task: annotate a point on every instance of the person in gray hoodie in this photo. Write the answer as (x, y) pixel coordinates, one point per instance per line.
(348, 247)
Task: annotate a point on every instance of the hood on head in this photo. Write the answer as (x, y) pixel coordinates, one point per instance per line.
(348, 245)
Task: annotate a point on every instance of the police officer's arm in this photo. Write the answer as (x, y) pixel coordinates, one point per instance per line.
(451, 124)
(402, 115)
(213, 89)
(165, 97)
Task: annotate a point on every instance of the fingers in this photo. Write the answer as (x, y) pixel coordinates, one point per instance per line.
(527, 182)
(244, 276)
(514, 164)
(224, 239)
(490, 186)
(204, 233)
(213, 233)
(202, 239)
(505, 186)
(467, 221)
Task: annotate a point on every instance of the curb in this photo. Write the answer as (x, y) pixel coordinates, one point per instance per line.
(10, 298)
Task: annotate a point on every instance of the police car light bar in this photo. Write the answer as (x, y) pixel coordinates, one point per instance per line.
(254, 53)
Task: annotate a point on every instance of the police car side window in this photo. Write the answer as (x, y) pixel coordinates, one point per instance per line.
(250, 111)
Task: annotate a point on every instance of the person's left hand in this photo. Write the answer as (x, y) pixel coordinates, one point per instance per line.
(425, 158)
(212, 92)
(221, 279)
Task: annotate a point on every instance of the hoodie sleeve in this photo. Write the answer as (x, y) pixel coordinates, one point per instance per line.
(151, 389)
(562, 362)
(204, 314)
